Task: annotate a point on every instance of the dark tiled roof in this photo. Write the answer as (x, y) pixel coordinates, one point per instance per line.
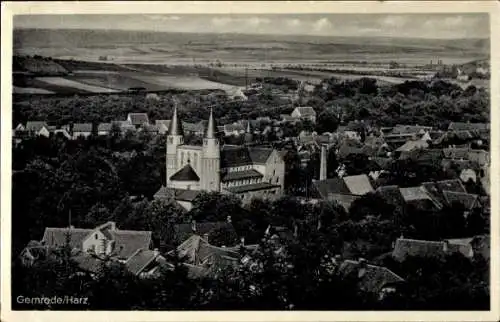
(332, 185)
(164, 193)
(409, 129)
(391, 194)
(239, 175)
(234, 156)
(371, 278)
(259, 155)
(82, 127)
(187, 173)
(184, 231)
(166, 123)
(88, 263)
(197, 251)
(252, 187)
(306, 111)
(138, 118)
(456, 153)
(186, 195)
(467, 200)
(451, 185)
(129, 241)
(404, 248)
(193, 127)
(35, 125)
(126, 241)
(139, 260)
(56, 237)
(104, 127)
(462, 126)
(345, 200)
(417, 248)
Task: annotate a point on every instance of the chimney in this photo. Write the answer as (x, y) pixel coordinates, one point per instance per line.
(446, 245)
(193, 226)
(242, 241)
(322, 170)
(362, 267)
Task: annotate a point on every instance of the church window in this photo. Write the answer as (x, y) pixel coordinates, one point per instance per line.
(274, 173)
(96, 236)
(277, 180)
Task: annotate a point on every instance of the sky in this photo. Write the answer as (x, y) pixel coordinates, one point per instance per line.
(366, 25)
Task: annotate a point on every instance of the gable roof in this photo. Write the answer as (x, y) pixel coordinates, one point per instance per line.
(233, 156)
(467, 200)
(409, 129)
(391, 194)
(372, 278)
(139, 260)
(104, 127)
(462, 126)
(82, 127)
(138, 118)
(332, 185)
(126, 241)
(404, 248)
(420, 197)
(345, 200)
(259, 155)
(358, 184)
(196, 251)
(306, 111)
(186, 173)
(35, 125)
(184, 231)
(239, 175)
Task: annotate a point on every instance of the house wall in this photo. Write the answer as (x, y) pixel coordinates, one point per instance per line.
(44, 132)
(95, 241)
(275, 170)
(81, 134)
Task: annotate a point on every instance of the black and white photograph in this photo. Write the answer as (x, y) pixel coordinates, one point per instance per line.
(256, 162)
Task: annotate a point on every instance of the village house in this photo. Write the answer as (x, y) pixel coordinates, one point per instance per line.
(137, 119)
(124, 126)
(404, 248)
(146, 263)
(36, 128)
(91, 248)
(303, 113)
(374, 279)
(82, 130)
(104, 129)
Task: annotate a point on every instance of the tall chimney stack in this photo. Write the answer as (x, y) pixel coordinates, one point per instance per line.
(322, 169)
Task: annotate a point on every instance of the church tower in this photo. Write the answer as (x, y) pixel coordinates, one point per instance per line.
(175, 138)
(210, 170)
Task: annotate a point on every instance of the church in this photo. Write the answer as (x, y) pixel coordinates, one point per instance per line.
(240, 170)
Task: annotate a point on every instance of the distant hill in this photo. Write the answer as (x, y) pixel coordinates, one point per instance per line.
(74, 42)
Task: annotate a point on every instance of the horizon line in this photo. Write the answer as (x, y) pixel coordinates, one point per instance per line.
(247, 34)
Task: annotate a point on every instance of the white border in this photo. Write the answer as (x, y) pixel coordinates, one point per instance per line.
(120, 7)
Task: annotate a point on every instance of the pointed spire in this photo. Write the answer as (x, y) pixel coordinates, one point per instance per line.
(211, 126)
(175, 127)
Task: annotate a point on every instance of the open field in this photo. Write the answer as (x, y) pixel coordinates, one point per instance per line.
(116, 61)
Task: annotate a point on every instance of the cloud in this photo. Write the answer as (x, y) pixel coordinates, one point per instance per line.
(221, 21)
(165, 18)
(293, 22)
(454, 21)
(394, 21)
(256, 21)
(321, 24)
